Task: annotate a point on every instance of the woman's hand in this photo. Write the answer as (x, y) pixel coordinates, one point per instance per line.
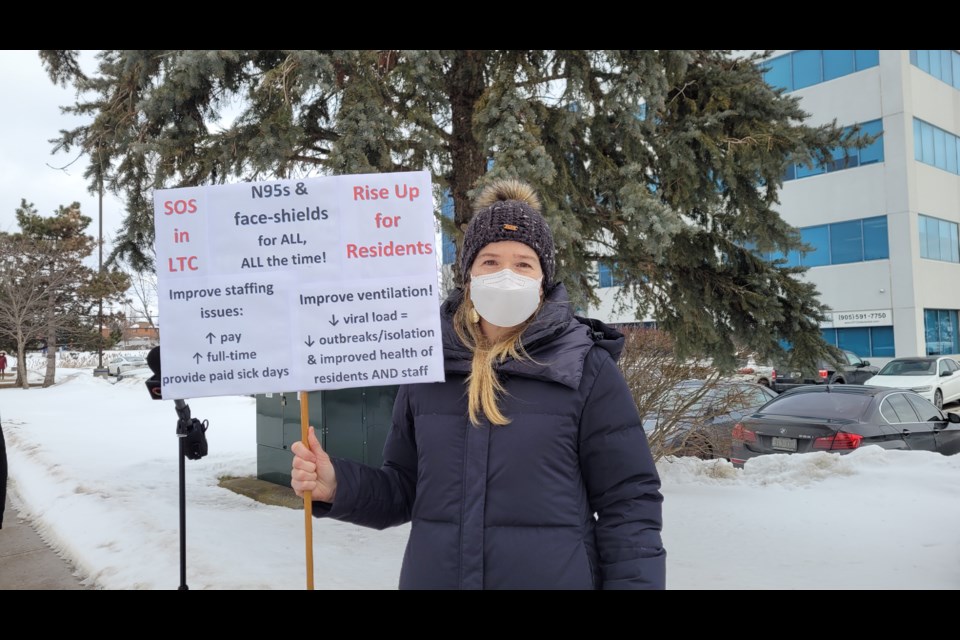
(313, 472)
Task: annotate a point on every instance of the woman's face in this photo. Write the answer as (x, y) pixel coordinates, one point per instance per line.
(507, 254)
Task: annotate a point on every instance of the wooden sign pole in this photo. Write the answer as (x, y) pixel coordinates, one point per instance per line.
(307, 499)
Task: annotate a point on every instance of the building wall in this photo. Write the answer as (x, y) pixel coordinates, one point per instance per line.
(900, 187)
(612, 312)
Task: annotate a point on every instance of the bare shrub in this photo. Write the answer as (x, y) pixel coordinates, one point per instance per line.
(666, 395)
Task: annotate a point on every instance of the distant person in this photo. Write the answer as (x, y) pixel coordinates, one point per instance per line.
(528, 468)
(3, 365)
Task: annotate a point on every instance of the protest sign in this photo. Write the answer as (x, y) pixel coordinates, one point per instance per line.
(318, 283)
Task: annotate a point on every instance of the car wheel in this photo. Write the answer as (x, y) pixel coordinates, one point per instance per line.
(763, 382)
(938, 398)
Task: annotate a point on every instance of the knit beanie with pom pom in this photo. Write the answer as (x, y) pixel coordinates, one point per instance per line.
(509, 210)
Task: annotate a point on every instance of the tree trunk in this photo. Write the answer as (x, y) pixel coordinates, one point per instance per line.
(465, 86)
(50, 376)
(22, 380)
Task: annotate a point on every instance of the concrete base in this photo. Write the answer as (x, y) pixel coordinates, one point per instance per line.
(263, 491)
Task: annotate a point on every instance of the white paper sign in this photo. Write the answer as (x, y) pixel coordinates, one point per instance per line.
(296, 285)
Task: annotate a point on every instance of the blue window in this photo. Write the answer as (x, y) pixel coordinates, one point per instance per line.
(791, 172)
(926, 141)
(929, 232)
(855, 339)
(846, 242)
(940, 330)
(866, 342)
(867, 58)
(843, 159)
(806, 68)
(939, 239)
(940, 148)
(778, 72)
(849, 158)
(819, 240)
(876, 245)
(792, 258)
(940, 63)
(956, 69)
(607, 276)
(946, 230)
(837, 62)
(935, 69)
(881, 342)
(449, 248)
(936, 147)
(829, 336)
(952, 160)
(803, 171)
(873, 152)
(840, 243)
(917, 140)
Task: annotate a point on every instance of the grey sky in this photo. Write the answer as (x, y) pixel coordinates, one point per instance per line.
(29, 117)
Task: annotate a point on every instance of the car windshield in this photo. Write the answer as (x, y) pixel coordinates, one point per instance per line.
(909, 368)
(819, 405)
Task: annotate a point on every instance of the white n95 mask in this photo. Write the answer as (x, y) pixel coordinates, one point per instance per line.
(505, 298)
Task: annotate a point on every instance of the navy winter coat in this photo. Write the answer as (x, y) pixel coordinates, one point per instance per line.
(566, 496)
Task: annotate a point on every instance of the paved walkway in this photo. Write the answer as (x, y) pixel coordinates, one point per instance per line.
(26, 562)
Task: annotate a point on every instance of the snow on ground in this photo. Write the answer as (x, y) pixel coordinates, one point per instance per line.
(93, 463)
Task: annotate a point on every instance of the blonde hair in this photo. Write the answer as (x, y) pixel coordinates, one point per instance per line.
(483, 386)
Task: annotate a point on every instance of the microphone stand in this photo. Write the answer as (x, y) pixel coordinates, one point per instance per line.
(183, 427)
(193, 445)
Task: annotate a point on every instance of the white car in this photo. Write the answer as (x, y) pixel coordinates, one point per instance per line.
(936, 378)
(125, 363)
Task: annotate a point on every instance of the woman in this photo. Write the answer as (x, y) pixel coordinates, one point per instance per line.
(528, 468)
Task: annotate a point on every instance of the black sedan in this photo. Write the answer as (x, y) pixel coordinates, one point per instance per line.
(696, 417)
(841, 418)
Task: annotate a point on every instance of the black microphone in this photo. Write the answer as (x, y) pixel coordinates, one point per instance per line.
(153, 382)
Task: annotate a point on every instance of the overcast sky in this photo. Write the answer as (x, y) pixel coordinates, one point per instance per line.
(29, 117)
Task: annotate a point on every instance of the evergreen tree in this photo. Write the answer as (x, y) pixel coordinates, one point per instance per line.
(668, 164)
